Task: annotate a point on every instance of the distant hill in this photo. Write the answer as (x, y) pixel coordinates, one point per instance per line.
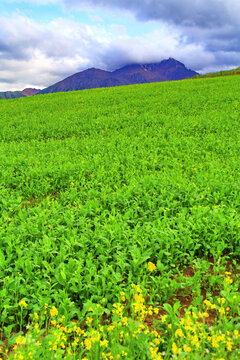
(219, 73)
(18, 94)
(11, 94)
(166, 70)
(30, 92)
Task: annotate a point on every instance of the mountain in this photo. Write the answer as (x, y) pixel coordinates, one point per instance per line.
(166, 70)
(87, 79)
(30, 92)
(18, 94)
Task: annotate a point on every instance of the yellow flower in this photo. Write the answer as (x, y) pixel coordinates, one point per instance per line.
(222, 311)
(175, 349)
(36, 316)
(221, 300)
(104, 343)
(229, 280)
(89, 320)
(110, 328)
(138, 289)
(151, 266)
(187, 348)
(163, 318)
(22, 303)
(88, 344)
(236, 333)
(178, 333)
(207, 303)
(54, 311)
(20, 340)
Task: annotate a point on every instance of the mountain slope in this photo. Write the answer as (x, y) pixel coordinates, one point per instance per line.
(220, 73)
(18, 94)
(87, 79)
(166, 70)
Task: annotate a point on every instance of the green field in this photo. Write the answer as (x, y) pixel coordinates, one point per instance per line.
(219, 73)
(119, 228)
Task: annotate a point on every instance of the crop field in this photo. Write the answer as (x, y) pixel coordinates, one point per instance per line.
(120, 223)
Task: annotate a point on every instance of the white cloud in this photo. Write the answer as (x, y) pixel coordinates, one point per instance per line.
(38, 55)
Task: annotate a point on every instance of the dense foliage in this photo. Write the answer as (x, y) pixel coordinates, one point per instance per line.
(95, 185)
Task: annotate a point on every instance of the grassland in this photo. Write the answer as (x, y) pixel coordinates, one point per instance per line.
(220, 73)
(119, 228)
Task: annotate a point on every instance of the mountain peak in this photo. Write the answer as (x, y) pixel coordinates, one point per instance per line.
(166, 70)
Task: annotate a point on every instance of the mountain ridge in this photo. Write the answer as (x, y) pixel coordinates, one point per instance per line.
(165, 70)
(18, 94)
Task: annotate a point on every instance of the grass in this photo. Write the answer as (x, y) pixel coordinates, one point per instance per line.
(124, 201)
(220, 73)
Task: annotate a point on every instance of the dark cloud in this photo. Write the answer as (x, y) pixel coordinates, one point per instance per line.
(7, 81)
(215, 24)
(204, 35)
(201, 13)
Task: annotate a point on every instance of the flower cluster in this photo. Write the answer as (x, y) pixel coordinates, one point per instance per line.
(132, 326)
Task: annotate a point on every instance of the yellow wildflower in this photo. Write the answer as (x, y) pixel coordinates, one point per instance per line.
(22, 303)
(54, 311)
(175, 349)
(20, 340)
(179, 333)
(88, 344)
(151, 266)
(222, 311)
(163, 318)
(187, 348)
(104, 343)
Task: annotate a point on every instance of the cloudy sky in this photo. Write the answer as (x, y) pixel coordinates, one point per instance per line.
(43, 41)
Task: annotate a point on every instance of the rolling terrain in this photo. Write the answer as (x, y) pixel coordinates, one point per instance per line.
(18, 94)
(119, 226)
(219, 73)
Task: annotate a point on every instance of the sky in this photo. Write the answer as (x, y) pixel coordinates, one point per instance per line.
(44, 41)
